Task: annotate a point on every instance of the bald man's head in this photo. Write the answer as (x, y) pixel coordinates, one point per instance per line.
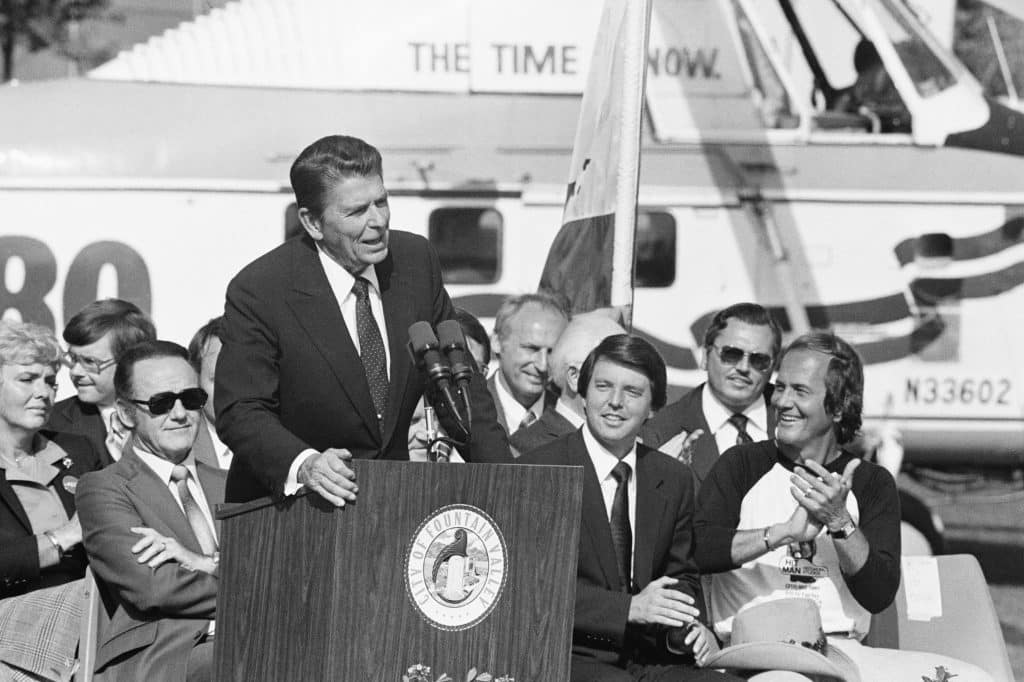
(579, 338)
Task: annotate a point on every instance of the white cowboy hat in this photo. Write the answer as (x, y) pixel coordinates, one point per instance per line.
(783, 634)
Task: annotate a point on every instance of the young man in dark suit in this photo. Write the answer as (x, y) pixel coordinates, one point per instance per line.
(314, 370)
(148, 526)
(97, 336)
(741, 349)
(638, 609)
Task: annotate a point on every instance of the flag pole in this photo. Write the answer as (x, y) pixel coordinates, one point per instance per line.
(638, 20)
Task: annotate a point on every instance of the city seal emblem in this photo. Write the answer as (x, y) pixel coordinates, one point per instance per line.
(455, 567)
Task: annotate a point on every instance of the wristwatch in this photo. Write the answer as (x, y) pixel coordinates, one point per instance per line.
(848, 529)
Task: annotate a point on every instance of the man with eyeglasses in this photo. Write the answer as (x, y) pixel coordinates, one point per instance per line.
(97, 336)
(148, 526)
(741, 346)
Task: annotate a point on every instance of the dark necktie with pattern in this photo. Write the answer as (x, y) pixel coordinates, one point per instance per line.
(371, 349)
(622, 534)
(196, 519)
(740, 422)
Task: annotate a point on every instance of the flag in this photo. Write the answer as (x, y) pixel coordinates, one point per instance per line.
(591, 259)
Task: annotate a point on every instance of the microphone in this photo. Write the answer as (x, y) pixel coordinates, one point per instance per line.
(424, 349)
(426, 354)
(453, 343)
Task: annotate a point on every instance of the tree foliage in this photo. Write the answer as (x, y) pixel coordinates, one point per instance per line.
(54, 24)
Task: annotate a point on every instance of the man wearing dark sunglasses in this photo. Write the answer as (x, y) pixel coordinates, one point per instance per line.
(741, 347)
(148, 525)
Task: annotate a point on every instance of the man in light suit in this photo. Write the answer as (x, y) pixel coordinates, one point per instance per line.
(638, 597)
(314, 370)
(741, 349)
(148, 527)
(526, 328)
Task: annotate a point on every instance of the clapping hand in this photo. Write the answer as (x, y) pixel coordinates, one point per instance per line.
(823, 493)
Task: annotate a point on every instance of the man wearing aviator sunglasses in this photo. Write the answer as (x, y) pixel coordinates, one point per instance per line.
(741, 346)
(148, 525)
(96, 336)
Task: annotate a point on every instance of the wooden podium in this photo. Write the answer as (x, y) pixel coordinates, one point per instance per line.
(452, 567)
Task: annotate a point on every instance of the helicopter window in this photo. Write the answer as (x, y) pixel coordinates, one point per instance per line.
(655, 249)
(772, 99)
(468, 242)
(988, 41)
(925, 68)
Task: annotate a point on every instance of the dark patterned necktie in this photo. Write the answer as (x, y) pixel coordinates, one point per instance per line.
(622, 534)
(196, 519)
(740, 422)
(371, 349)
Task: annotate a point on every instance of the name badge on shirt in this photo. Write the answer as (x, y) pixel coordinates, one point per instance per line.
(798, 563)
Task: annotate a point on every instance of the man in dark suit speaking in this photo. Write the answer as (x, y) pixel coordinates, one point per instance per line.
(314, 369)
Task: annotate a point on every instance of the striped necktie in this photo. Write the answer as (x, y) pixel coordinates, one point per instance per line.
(196, 519)
(739, 421)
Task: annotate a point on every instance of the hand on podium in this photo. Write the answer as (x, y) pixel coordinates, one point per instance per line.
(328, 475)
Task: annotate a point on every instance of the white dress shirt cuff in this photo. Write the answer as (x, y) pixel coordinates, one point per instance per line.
(291, 484)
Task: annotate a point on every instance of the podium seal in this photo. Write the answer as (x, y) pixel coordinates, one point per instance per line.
(455, 567)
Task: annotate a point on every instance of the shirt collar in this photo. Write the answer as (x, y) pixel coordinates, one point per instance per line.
(38, 468)
(106, 413)
(570, 416)
(162, 467)
(341, 280)
(717, 415)
(603, 460)
(514, 412)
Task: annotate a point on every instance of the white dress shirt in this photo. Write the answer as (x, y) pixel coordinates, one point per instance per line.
(604, 461)
(570, 416)
(717, 416)
(341, 281)
(163, 468)
(513, 411)
(114, 441)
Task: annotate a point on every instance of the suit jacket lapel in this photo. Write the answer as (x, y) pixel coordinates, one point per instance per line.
(595, 516)
(318, 313)
(10, 498)
(650, 511)
(705, 451)
(203, 447)
(492, 388)
(152, 493)
(398, 317)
